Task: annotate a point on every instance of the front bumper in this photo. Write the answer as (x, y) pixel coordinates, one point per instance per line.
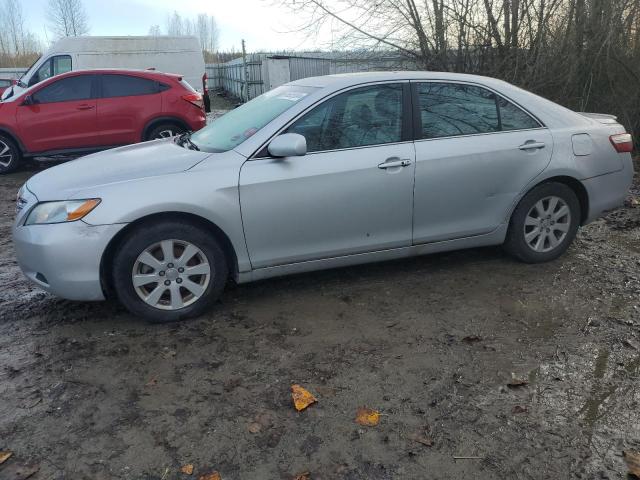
(64, 258)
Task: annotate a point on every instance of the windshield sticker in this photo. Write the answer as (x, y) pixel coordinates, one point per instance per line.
(291, 96)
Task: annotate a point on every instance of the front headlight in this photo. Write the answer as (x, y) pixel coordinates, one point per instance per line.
(60, 212)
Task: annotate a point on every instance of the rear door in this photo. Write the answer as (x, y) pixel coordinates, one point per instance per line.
(62, 116)
(125, 105)
(475, 152)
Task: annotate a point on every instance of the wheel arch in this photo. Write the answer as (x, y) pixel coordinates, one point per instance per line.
(11, 134)
(577, 187)
(151, 124)
(106, 274)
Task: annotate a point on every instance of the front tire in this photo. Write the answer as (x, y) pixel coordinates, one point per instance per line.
(544, 223)
(169, 271)
(9, 155)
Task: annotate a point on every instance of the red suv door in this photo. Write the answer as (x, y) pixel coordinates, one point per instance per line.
(126, 104)
(61, 115)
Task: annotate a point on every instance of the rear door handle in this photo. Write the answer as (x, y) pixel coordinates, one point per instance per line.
(395, 162)
(531, 145)
(85, 107)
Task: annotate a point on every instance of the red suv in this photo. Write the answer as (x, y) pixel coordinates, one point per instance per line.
(86, 111)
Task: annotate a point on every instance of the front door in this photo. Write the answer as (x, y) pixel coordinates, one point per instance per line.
(475, 153)
(62, 116)
(351, 193)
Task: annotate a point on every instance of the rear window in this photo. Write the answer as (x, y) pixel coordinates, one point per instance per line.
(127, 86)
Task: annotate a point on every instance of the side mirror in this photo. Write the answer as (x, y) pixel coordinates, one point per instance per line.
(28, 100)
(288, 145)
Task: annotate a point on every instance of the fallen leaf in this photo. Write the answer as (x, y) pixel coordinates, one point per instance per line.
(301, 398)
(254, 427)
(422, 439)
(520, 409)
(4, 456)
(516, 382)
(633, 462)
(152, 383)
(367, 417)
(210, 476)
(303, 476)
(187, 469)
(472, 339)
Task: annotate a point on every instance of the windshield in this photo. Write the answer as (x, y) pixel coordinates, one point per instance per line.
(233, 128)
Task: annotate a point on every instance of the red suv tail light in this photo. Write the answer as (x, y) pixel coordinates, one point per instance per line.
(194, 99)
(623, 142)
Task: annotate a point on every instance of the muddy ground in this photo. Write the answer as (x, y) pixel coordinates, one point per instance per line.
(89, 392)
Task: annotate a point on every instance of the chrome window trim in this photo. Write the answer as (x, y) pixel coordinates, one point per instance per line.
(479, 134)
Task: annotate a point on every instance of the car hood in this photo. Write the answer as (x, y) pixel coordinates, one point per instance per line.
(159, 157)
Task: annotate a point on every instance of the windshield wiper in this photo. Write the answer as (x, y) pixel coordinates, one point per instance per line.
(185, 138)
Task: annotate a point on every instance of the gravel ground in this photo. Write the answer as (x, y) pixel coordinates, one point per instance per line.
(89, 392)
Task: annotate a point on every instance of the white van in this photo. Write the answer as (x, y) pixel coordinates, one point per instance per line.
(181, 55)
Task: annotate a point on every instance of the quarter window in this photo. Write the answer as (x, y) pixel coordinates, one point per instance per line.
(514, 118)
(357, 118)
(65, 90)
(127, 86)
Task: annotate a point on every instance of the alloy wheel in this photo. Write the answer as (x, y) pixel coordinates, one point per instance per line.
(547, 224)
(171, 274)
(165, 134)
(6, 155)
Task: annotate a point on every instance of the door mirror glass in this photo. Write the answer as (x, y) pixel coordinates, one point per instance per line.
(288, 145)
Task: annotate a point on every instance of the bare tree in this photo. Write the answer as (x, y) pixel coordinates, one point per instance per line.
(67, 18)
(583, 53)
(154, 30)
(18, 46)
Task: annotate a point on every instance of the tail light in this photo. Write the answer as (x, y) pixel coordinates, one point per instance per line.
(623, 142)
(194, 99)
(204, 82)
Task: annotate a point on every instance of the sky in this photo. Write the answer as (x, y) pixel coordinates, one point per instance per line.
(261, 23)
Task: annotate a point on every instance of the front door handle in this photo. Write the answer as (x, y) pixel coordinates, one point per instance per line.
(395, 162)
(531, 145)
(85, 107)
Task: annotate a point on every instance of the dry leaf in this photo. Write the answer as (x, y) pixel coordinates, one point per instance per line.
(516, 382)
(210, 476)
(633, 462)
(4, 456)
(301, 398)
(426, 441)
(367, 417)
(303, 476)
(520, 409)
(254, 427)
(188, 469)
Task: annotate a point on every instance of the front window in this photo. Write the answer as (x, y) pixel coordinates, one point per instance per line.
(357, 118)
(51, 67)
(233, 128)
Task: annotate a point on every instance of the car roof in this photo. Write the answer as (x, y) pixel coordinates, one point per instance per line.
(136, 72)
(347, 79)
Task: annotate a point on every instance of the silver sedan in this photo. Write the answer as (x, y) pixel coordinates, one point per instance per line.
(320, 173)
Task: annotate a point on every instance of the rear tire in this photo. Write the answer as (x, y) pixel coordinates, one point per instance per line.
(164, 130)
(10, 156)
(544, 223)
(151, 271)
